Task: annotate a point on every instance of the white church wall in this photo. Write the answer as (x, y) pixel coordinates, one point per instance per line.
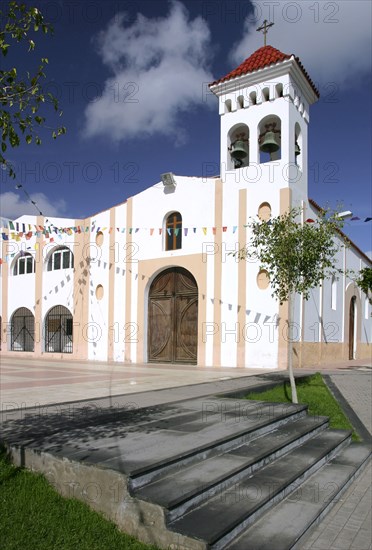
(192, 197)
(97, 327)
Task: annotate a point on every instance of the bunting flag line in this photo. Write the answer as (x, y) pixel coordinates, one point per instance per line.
(21, 230)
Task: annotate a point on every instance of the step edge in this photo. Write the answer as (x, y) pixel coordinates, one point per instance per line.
(239, 524)
(143, 475)
(176, 508)
(324, 510)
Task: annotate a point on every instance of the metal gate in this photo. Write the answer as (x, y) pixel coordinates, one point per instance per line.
(58, 330)
(22, 330)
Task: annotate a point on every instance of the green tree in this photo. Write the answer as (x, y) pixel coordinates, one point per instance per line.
(21, 96)
(298, 257)
(364, 282)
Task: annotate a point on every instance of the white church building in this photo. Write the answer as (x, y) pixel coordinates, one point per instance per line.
(153, 280)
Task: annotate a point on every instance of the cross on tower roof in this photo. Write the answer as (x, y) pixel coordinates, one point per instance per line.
(264, 28)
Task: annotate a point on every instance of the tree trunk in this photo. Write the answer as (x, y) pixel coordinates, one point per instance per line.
(290, 347)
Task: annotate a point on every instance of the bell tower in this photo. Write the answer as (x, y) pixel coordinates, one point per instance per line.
(264, 108)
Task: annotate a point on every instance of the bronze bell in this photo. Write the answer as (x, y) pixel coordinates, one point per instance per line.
(297, 149)
(238, 150)
(269, 143)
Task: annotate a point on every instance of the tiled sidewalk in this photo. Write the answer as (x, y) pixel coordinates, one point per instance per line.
(29, 383)
(348, 525)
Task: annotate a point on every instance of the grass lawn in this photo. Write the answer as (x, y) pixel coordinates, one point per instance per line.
(313, 392)
(33, 516)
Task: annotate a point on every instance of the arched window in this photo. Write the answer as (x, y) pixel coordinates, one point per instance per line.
(61, 258)
(22, 330)
(58, 330)
(173, 231)
(24, 263)
(333, 293)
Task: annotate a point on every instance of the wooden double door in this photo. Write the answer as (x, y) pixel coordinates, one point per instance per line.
(173, 317)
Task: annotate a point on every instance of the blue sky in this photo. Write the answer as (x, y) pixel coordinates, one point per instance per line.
(131, 78)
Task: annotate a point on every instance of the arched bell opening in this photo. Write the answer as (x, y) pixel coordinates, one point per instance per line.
(298, 146)
(269, 140)
(238, 146)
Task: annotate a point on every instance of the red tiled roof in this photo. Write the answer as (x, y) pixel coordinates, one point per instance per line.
(263, 57)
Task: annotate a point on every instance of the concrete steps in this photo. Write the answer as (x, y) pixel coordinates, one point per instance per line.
(187, 485)
(284, 525)
(244, 494)
(205, 473)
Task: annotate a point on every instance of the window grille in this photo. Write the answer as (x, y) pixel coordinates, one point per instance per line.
(22, 330)
(58, 330)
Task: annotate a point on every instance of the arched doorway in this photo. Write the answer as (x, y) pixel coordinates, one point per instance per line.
(352, 328)
(22, 330)
(173, 317)
(58, 330)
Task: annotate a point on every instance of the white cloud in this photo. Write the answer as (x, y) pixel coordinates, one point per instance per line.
(158, 70)
(332, 39)
(13, 205)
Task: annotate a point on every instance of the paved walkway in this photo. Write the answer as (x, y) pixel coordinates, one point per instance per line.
(348, 525)
(36, 384)
(29, 383)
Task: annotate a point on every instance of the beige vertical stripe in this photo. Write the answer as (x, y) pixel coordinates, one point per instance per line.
(128, 283)
(111, 288)
(39, 264)
(285, 205)
(217, 273)
(242, 279)
(81, 286)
